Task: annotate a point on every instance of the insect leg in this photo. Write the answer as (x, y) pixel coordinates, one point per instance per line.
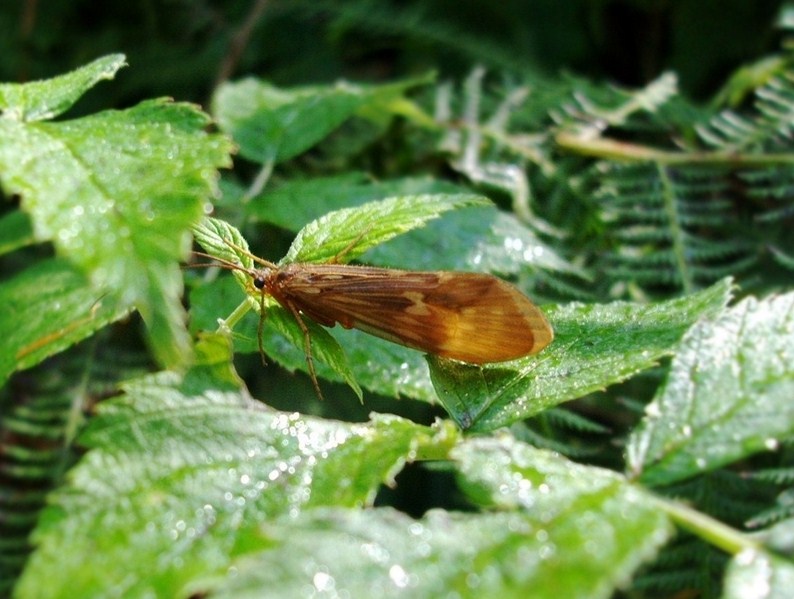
(307, 347)
(260, 329)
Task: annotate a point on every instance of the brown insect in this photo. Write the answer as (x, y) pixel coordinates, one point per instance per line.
(471, 317)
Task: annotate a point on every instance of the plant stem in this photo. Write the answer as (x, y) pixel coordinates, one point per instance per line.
(231, 321)
(611, 149)
(707, 528)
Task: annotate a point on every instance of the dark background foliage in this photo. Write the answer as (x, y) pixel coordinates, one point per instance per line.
(179, 48)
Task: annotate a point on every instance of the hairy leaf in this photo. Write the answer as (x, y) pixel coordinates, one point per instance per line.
(115, 193)
(42, 100)
(485, 238)
(47, 308)
(388, 554)
(728, 394)
(197, 468)
(352, 231)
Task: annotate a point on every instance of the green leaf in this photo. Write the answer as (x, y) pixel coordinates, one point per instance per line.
(758, 574)
(386, 368)
(324, 348)
(728, 394)
(42, 100)
(385, 553)
(198, 468)
(486, 239)
(207, 482)
(16, 231)
(273, 125)
(214, 365)
(562, 531)
(347, 233)
(587, 527)
(115, 192)
(223, 241)
(292, 204)
(594, 346)
(47, 308)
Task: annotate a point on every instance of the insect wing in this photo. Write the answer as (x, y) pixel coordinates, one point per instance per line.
(471, 317)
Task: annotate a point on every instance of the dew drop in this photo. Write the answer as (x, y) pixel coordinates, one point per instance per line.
(323, 582)
(399, 576)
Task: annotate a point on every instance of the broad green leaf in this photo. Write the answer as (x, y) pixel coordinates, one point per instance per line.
(384, 553)
(292, 204)
(115, 192)
(485, 238)
(728, 394)
(482, 239)
(42, 100)
(758, 574)
(273, 125)
(562, 530)
(47, 308)
(594, 346)
(347, 233)
(386, 368)
(588, 529)
(225, 243)
(198, 468)
(214, 367)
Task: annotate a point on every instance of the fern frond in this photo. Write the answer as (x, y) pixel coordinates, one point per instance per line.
(778, 476)
(574, 422)
(32, 457)
(771, 189)
(682, 566)
(769, 127)
(671, 225)
(42, 410)
(782, 509)
(548, 430)
(549, 287)
(783, 506)
(591, 109)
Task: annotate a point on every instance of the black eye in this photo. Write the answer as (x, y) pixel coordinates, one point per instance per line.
(259, 282)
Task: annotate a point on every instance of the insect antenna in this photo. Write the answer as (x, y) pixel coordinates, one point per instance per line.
(255, 258)
(219, 263)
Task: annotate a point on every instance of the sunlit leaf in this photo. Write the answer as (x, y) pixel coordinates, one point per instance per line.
(728, 394)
